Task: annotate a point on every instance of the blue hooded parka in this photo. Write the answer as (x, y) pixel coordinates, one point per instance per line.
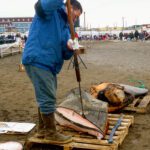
(46, 46)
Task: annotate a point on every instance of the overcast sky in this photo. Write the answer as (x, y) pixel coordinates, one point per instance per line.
(98, 13)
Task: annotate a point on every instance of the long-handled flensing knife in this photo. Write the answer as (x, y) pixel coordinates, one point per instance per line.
(76, 64)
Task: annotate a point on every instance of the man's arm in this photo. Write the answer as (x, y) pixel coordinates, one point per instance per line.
(67, 50)
(44, 8)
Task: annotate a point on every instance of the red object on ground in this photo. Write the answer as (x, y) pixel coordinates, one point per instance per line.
(76, 35)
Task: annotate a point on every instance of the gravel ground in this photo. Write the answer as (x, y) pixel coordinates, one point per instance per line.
(118, 62)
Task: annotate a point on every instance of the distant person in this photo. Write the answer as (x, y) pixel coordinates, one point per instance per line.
(141, 36)
(136, 35)
(131, 36)
(126, 36)
(121, 36)
(147, 37)
(25, 38)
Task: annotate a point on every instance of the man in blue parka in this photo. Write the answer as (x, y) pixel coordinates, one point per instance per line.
(46, 48)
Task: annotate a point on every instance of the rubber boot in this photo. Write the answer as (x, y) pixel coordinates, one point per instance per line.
(51, 134)
(40, 128)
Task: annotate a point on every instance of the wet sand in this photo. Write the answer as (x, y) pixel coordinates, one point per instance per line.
(118, 62)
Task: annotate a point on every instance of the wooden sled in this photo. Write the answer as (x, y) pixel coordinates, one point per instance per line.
(139, 105)
(88, 142)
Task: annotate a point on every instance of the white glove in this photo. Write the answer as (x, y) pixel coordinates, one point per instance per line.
(73, 44)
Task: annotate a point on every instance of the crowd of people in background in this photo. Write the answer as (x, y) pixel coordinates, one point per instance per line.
(142, 36)
(122, 36)
(99, 37)
(11, 38)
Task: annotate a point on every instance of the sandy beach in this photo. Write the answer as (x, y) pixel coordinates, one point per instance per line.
(120, 62)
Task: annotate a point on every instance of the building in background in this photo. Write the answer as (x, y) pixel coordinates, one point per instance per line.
(15, 24)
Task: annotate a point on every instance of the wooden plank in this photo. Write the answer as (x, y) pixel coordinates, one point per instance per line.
(122, 123)
(116, 119)
(92, 146)
(115, 138)
(119, 115)
(133, 103)
(135, 109)
(145, 101)
(116, 133)
(75, 144)
(125, 122)
(44, 141)
(91, 141)
(119, 128)
(122, 138)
